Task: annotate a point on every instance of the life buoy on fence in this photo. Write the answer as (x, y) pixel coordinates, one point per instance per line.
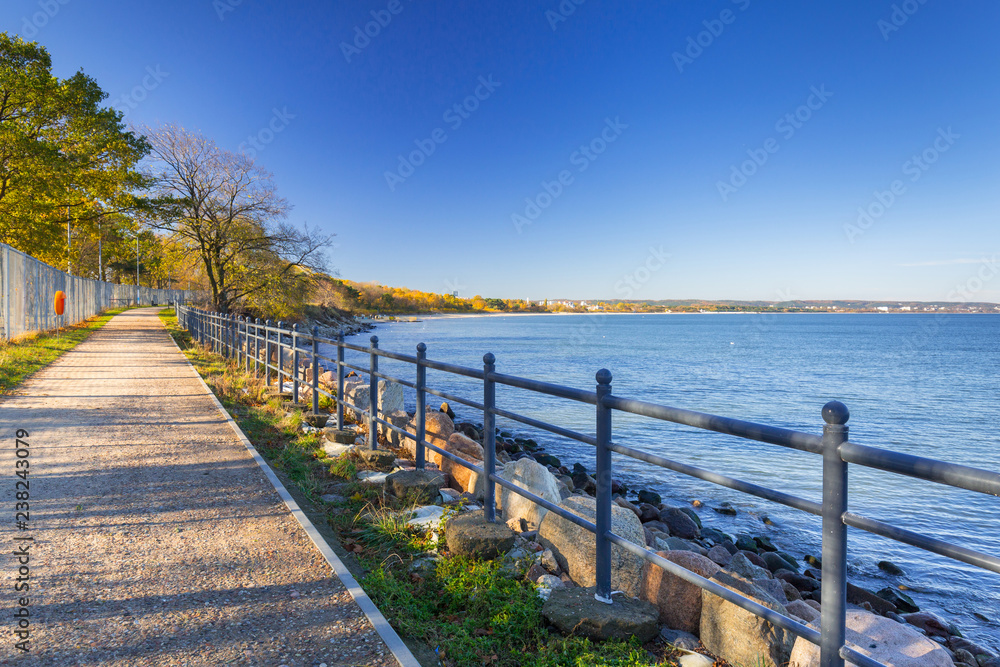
(60, 302)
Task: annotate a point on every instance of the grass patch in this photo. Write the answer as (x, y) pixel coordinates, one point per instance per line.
(468, 612)
(21, 358)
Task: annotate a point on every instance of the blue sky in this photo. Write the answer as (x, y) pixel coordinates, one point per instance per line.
(725, 149)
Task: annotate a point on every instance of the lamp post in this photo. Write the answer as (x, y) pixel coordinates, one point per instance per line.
(137, 266)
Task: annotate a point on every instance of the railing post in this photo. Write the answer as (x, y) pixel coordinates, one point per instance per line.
(833, 594)
(281, 361)
(340, 381)
(267, 352)
(246, 343)
(295, 363)
(603, 433)
(315, 370)
(373, 395)
(421, 415)
(256, 347)
(489, 437)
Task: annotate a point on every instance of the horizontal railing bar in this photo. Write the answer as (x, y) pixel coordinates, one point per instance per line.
(359, 369)
(940, 547)
(952, 474)
(395, 355)
(722, 480)
(859, 659)
(545, 388)
(743, 429)
(565, 432)
(353, 407)
(755, 608)
(356, 348)
(550, 506)
(452, 368)
(390, 378)
(395, 428)
(452, 397)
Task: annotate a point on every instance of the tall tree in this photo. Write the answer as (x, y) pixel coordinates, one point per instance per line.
(227, 209)
(62, 155)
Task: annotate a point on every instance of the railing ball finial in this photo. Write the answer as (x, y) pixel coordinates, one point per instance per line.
(604, 376)
(836, 412)
(421, 347)
(374, 340)
(488, 358)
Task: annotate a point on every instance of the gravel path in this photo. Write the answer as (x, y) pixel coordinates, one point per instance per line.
(157, 539)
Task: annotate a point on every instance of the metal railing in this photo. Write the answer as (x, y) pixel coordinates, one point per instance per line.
(241, 338)
(28, 288)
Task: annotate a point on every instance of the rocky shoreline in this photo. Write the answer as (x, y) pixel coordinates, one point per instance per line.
(747, 563)
(330, 323)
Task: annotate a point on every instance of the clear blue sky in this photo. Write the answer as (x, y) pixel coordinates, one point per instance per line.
(677, 118)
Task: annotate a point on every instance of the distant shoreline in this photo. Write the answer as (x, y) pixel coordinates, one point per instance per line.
(442, 316)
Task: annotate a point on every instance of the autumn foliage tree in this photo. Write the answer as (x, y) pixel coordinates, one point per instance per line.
(63, 156)
(227, 210)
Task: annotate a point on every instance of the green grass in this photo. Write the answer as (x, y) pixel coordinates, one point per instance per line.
(20, 358)
(469, 612)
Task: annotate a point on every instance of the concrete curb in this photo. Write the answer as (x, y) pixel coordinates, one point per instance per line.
(392, 640)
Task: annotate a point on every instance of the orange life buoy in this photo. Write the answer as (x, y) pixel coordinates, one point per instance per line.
(60, 302)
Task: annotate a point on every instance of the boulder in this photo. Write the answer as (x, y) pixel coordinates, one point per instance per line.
(575, 611)
(678, 601)
(650, 497)
(438, 427)
(418, 486)
(469, 534)
(800, 609)
(379, 459)
(739, 636)
(575, 548)
(901, 601)
(881, 639)
(536, 479)
(679, 523)
(469, 431)
(931, 624)
(359, 396)
(390, 398)
(720, 555)
(741, 565)
(459, 476)
(399, 419)
(328, 380)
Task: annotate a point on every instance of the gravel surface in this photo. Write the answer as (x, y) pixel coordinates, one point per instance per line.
(157, 539)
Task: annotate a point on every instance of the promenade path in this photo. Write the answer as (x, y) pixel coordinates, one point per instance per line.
(157, 539)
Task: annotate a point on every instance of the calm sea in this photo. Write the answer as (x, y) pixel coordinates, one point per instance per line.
(922, 384)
